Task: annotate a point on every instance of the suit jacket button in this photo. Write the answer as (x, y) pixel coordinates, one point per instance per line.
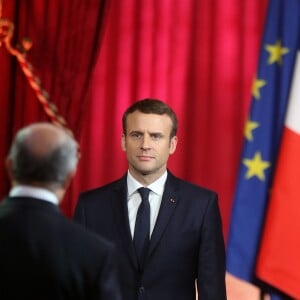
(141, 289)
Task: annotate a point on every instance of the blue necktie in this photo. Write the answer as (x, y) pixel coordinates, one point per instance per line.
(142, 226)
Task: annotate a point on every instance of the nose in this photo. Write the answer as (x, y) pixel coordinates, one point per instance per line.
(145, 145)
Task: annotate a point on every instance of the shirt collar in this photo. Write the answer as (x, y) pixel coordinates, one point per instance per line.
(157, 186)
(34, 192)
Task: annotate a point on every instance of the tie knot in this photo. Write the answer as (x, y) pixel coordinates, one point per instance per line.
(144, 192)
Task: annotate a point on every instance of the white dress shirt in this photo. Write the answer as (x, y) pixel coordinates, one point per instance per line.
(134, 199)
(34, 192)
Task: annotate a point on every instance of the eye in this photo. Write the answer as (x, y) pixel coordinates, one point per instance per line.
(135, 135)
(156, 136)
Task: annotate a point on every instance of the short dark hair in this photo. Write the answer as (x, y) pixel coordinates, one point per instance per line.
(50, 168)
(152, 106)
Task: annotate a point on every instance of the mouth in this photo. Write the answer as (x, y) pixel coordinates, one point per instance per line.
(144, 157)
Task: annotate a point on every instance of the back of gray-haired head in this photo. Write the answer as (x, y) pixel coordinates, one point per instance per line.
(47, 160)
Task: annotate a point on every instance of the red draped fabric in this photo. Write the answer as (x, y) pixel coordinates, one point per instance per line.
(66, 37)
(197, 55)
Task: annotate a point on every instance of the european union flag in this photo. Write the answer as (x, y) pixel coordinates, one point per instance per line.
(263, 130)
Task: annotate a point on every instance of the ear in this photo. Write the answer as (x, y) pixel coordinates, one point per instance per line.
(68, 180)
(173, 144)
(61, 190)
(9, 168)
(123, 142)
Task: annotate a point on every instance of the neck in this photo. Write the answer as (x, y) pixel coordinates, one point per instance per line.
(54, 188)
(144, 178)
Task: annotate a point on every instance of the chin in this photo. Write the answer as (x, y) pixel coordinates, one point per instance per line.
(145, 171)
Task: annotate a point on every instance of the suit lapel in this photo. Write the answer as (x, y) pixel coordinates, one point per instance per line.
(167, 208)
(119, 202)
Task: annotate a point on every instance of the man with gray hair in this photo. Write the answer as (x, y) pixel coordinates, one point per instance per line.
(43, 255)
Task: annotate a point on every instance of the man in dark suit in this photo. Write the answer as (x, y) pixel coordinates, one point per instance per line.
(43, 255)
(184, 246)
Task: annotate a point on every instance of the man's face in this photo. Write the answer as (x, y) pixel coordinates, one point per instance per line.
(147, 143)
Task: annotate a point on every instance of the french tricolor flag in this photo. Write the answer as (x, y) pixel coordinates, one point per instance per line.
(279, 256)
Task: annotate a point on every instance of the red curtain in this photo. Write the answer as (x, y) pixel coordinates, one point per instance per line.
(66, 38)
(197, 55)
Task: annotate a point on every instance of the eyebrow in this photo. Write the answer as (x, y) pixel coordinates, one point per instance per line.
(150, 133)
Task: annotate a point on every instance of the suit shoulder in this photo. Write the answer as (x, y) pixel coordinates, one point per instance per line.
(76, 232)
(103, 189)
(190, 187)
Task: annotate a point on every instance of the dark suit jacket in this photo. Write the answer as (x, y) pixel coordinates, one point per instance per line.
(186, 243)
(44, 256)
